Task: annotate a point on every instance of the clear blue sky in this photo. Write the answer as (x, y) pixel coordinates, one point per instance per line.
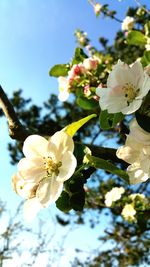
(35, 35)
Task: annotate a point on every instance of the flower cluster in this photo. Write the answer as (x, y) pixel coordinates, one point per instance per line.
(136, 152)
(41, 173)
(79, 76)
(113, 195)
(138, 202)
(126, 88)
(127, 23)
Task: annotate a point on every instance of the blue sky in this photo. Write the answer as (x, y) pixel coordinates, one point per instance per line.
(35, 35)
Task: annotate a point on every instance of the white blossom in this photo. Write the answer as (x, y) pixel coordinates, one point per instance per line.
(113, 195)
(126, 88)
(136, 152)
(129, 212)
(90, 63)
(41, 173)
(127, 23)
(97, 8)
(63, 88)
(133, 196)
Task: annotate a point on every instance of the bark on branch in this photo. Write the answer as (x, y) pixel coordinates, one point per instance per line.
(16, 129)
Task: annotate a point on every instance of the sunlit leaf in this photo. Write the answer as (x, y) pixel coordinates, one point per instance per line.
(136, 38)
(59, 70)
(75, 126)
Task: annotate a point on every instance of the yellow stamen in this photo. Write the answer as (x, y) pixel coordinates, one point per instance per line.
(130, 92)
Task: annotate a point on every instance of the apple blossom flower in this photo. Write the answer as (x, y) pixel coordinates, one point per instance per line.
(90, 63)
(136, 152)
(76, 71)
(113, 195)
(64, 88)
(41, 173)
(126, 88)
(133, 196)
(127, 23)
(97, 8)
(129, 212)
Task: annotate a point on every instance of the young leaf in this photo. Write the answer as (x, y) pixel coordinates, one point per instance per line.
(99, 163)
(63, 202)
(79, 56)
(136, 38)
(75, 126)
(108, 120)
(59, 70)
(145, 60)
(87, 104)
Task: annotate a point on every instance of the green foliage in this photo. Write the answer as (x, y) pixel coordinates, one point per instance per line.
(145, 60)
(87, 104)
(75, 126)
(136, 38)
(79, 56)
(59, 70)
(108, 120)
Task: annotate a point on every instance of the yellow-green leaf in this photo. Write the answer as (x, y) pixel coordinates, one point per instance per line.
(72, 128)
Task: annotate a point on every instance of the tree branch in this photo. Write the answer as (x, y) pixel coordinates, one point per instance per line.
(18, 132)
(16, 129)
(106, 153)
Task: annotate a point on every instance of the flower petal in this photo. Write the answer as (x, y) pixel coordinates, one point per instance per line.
(62, 141)
(31, 169)
(31, 208)
(49, 191)
(136, 174)
(35, 146)
(67, 169)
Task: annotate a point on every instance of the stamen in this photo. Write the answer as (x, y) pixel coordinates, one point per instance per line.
(51, 166)
(130, 92)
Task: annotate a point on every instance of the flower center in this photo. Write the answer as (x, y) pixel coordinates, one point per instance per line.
(51, 166)
(130, 92)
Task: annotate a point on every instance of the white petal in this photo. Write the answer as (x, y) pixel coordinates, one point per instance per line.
(63, 96)
(62, 141)
(138, 133)
(112, 102)
(67, 169)
(31, 169)
(31, 208)
(35, 146)
(49, 191)
(133, 106)
(136, 174)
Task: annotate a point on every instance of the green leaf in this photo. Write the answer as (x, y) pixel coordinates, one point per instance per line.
(79, 56)
(145, 60)
(77, 200)
(136, 38)
(117, 118)
(75, 126)
(99, 163)
(87, 104)
(59, 70)
(63, 202)
(108, 120)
